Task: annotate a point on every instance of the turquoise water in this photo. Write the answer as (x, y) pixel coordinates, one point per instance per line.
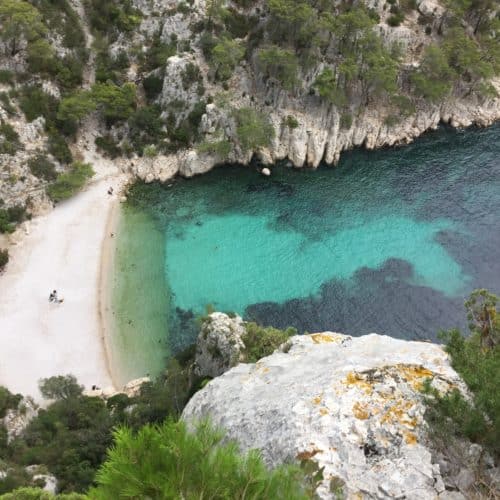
(388, 241)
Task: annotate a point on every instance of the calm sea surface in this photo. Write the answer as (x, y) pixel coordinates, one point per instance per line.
(390, 241)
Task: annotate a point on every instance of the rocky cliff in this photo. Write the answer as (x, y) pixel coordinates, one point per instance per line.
(351, 405)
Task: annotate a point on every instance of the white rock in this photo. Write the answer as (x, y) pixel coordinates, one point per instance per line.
(265, 171)
(219, 344)
(321, 399)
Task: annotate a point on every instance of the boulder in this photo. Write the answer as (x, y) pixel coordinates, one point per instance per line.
(352, 405)
(219, 344)
(16, 420)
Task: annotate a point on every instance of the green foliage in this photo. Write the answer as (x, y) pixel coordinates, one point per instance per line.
(112, 17)
(153, 85)
(220, 148)
(76, 106)
(483, 317)
(70, 438)
(190, 75)
(291, 122)
(328, 88)
(4, 260)
(60, 387)
(34, 102)
(169, 462)
(10, 217)
(434, 78)
(69, 183)
(253, 128)
(113, 102)
(111, 68)
(477, 360)
(146, 127)
(157, 54)
(59, 149)
(29, 493)
(262, 341)
(108, 145)
(9, 139)
(345, 121)
(6, 77)
(279, 64)
(40, 166)
(19, 20)
(225, 56)
(7, 399)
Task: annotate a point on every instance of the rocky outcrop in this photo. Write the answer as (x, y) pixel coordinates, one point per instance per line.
(16, 420)
(219, 345)
(352, 405)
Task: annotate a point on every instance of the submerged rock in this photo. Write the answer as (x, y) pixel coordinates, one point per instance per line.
(352, 405)
(219, 344)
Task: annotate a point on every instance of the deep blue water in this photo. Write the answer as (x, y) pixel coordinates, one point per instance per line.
(390, 241)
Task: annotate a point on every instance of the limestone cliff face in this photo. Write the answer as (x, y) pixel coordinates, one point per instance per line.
(352, 405)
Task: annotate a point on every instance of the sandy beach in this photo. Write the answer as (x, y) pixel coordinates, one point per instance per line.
(61, 251)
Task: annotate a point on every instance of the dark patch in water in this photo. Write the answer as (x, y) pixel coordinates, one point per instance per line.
(375, 300)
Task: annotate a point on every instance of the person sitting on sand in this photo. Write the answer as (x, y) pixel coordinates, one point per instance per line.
(110, 191)
(54, 298)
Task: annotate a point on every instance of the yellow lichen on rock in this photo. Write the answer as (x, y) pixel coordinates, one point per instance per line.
(322, 338)
(323, 412)
(414, 375)
(317, 399)
(360, 411)
(357, 379)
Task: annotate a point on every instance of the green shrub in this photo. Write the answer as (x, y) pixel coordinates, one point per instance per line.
(108, 146)
(69, 183)
(9, 139)
(4, 260)
(34, 102)
(42, 167)
(169, 462)
(345, 121)
(153, 85)
(190, 75)
(225, 56)
(291, 122)
(477, 360)
(6, 77)
(280, 64)
(113, 102)
(157, 54)
(146, 127)
(220, 148)
(29, 493)
(7, 399)
(6, 104)
(253, 128)
(59, 149)
(10, 217)
(262, 341)
(395, 19)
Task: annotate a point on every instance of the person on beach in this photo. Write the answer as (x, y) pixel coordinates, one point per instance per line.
(110, 191)
(54, 298)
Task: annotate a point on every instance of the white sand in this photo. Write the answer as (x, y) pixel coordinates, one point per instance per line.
(62, 251)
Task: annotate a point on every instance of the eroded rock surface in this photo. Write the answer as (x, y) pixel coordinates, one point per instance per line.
(219, 344)
(353, 405)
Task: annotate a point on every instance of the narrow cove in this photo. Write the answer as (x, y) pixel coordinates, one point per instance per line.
(389, 241)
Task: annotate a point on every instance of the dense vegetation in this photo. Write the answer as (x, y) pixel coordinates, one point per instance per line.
(477, 359)
(167, 461)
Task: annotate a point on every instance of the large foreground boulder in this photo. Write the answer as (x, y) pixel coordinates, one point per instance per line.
(352, 405)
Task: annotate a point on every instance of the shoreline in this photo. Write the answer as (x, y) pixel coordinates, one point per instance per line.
(105, 286)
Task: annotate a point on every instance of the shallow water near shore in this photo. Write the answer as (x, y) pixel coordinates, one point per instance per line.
(390, 241)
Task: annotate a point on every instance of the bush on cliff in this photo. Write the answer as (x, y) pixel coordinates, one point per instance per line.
(262, 341)
(39, 494)
(167, 461)
(477, 360)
